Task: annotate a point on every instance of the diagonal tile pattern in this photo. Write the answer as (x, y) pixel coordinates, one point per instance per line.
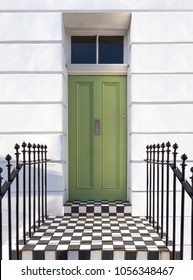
(95, 237)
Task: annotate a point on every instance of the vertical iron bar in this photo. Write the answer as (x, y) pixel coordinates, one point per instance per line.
(150, 184)
(29, 186)
(191, 169)
(1, 233)
(8, 159)
(17, 201)
(184, 158)
(34, 187)
(147, 182)
(168, 145)
(154, 146)
(175, 146)
(24, 191)
(158, 206)
(38, 152)
(162, 189)
(45, 156)
(42, 180)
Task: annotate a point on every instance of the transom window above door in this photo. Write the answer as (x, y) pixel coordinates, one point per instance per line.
(97, 49)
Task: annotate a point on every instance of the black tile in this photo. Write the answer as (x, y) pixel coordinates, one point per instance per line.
(120, 209)
(73, 247)
(38, 255)
(51, 248)
(107, 255)
(105, 209)
(61, 255)
(75, 209)
(14, 255)
(90, 209)
(153, 255)
(84, 255)
(130, 255)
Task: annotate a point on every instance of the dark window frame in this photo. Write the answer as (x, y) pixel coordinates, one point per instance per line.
(103, 53)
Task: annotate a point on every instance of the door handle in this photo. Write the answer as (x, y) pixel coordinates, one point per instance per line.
(97, 127)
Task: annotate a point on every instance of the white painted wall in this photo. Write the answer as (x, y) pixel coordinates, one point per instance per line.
(33, 79)
(32, 93)
(161, 100)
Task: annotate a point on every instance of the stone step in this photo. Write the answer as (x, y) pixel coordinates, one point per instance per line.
(95, 238)
(97, 208)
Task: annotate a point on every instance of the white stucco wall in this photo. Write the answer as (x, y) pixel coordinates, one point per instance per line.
(32, 92)
(33, 79)
(161, 101)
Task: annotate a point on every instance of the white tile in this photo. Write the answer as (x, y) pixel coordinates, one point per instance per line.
(50, 255)
(118, 255)
(86, 238)
(62, 247)
(58, 234)
(159, 243)
(32, 242)
(141, 255)
(127, 238)
(46, 238)
(130, 248)
(53, 242)
(96, 255)
(73, 255)
(106, 238)
(107, 247)
(96, 242)
(139, 243)
(164, 255)
(66, 238)
(27, 255)
(85, 247)
(39, 247)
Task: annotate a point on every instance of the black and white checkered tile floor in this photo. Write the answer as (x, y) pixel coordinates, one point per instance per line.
(95, 238)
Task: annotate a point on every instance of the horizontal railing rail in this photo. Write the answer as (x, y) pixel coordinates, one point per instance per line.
(162, 178)
(29, 178)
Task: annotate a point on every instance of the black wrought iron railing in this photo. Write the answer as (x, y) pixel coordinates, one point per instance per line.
(26, 189)
(165, 183)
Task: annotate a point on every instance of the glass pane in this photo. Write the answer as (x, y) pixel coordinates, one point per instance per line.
(111, 49)
(83, 49)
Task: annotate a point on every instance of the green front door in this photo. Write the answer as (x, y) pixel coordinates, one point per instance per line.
(97, 137)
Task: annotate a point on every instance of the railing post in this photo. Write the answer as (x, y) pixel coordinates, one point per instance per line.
(1, 238)
(42, 177)
(154, 146)
(158, 151)
(17, 201)
(184, 158)
(150, 183)
(45, 156)
(191, 169)
(175, 147)
(147, 181)
(162, 188)
(168, 145)
(8, 159)
(29, 186)
(38, 152)
(24, 191)
(34, 187)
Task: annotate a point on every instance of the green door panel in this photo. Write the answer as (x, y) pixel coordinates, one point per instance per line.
(97, 137)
